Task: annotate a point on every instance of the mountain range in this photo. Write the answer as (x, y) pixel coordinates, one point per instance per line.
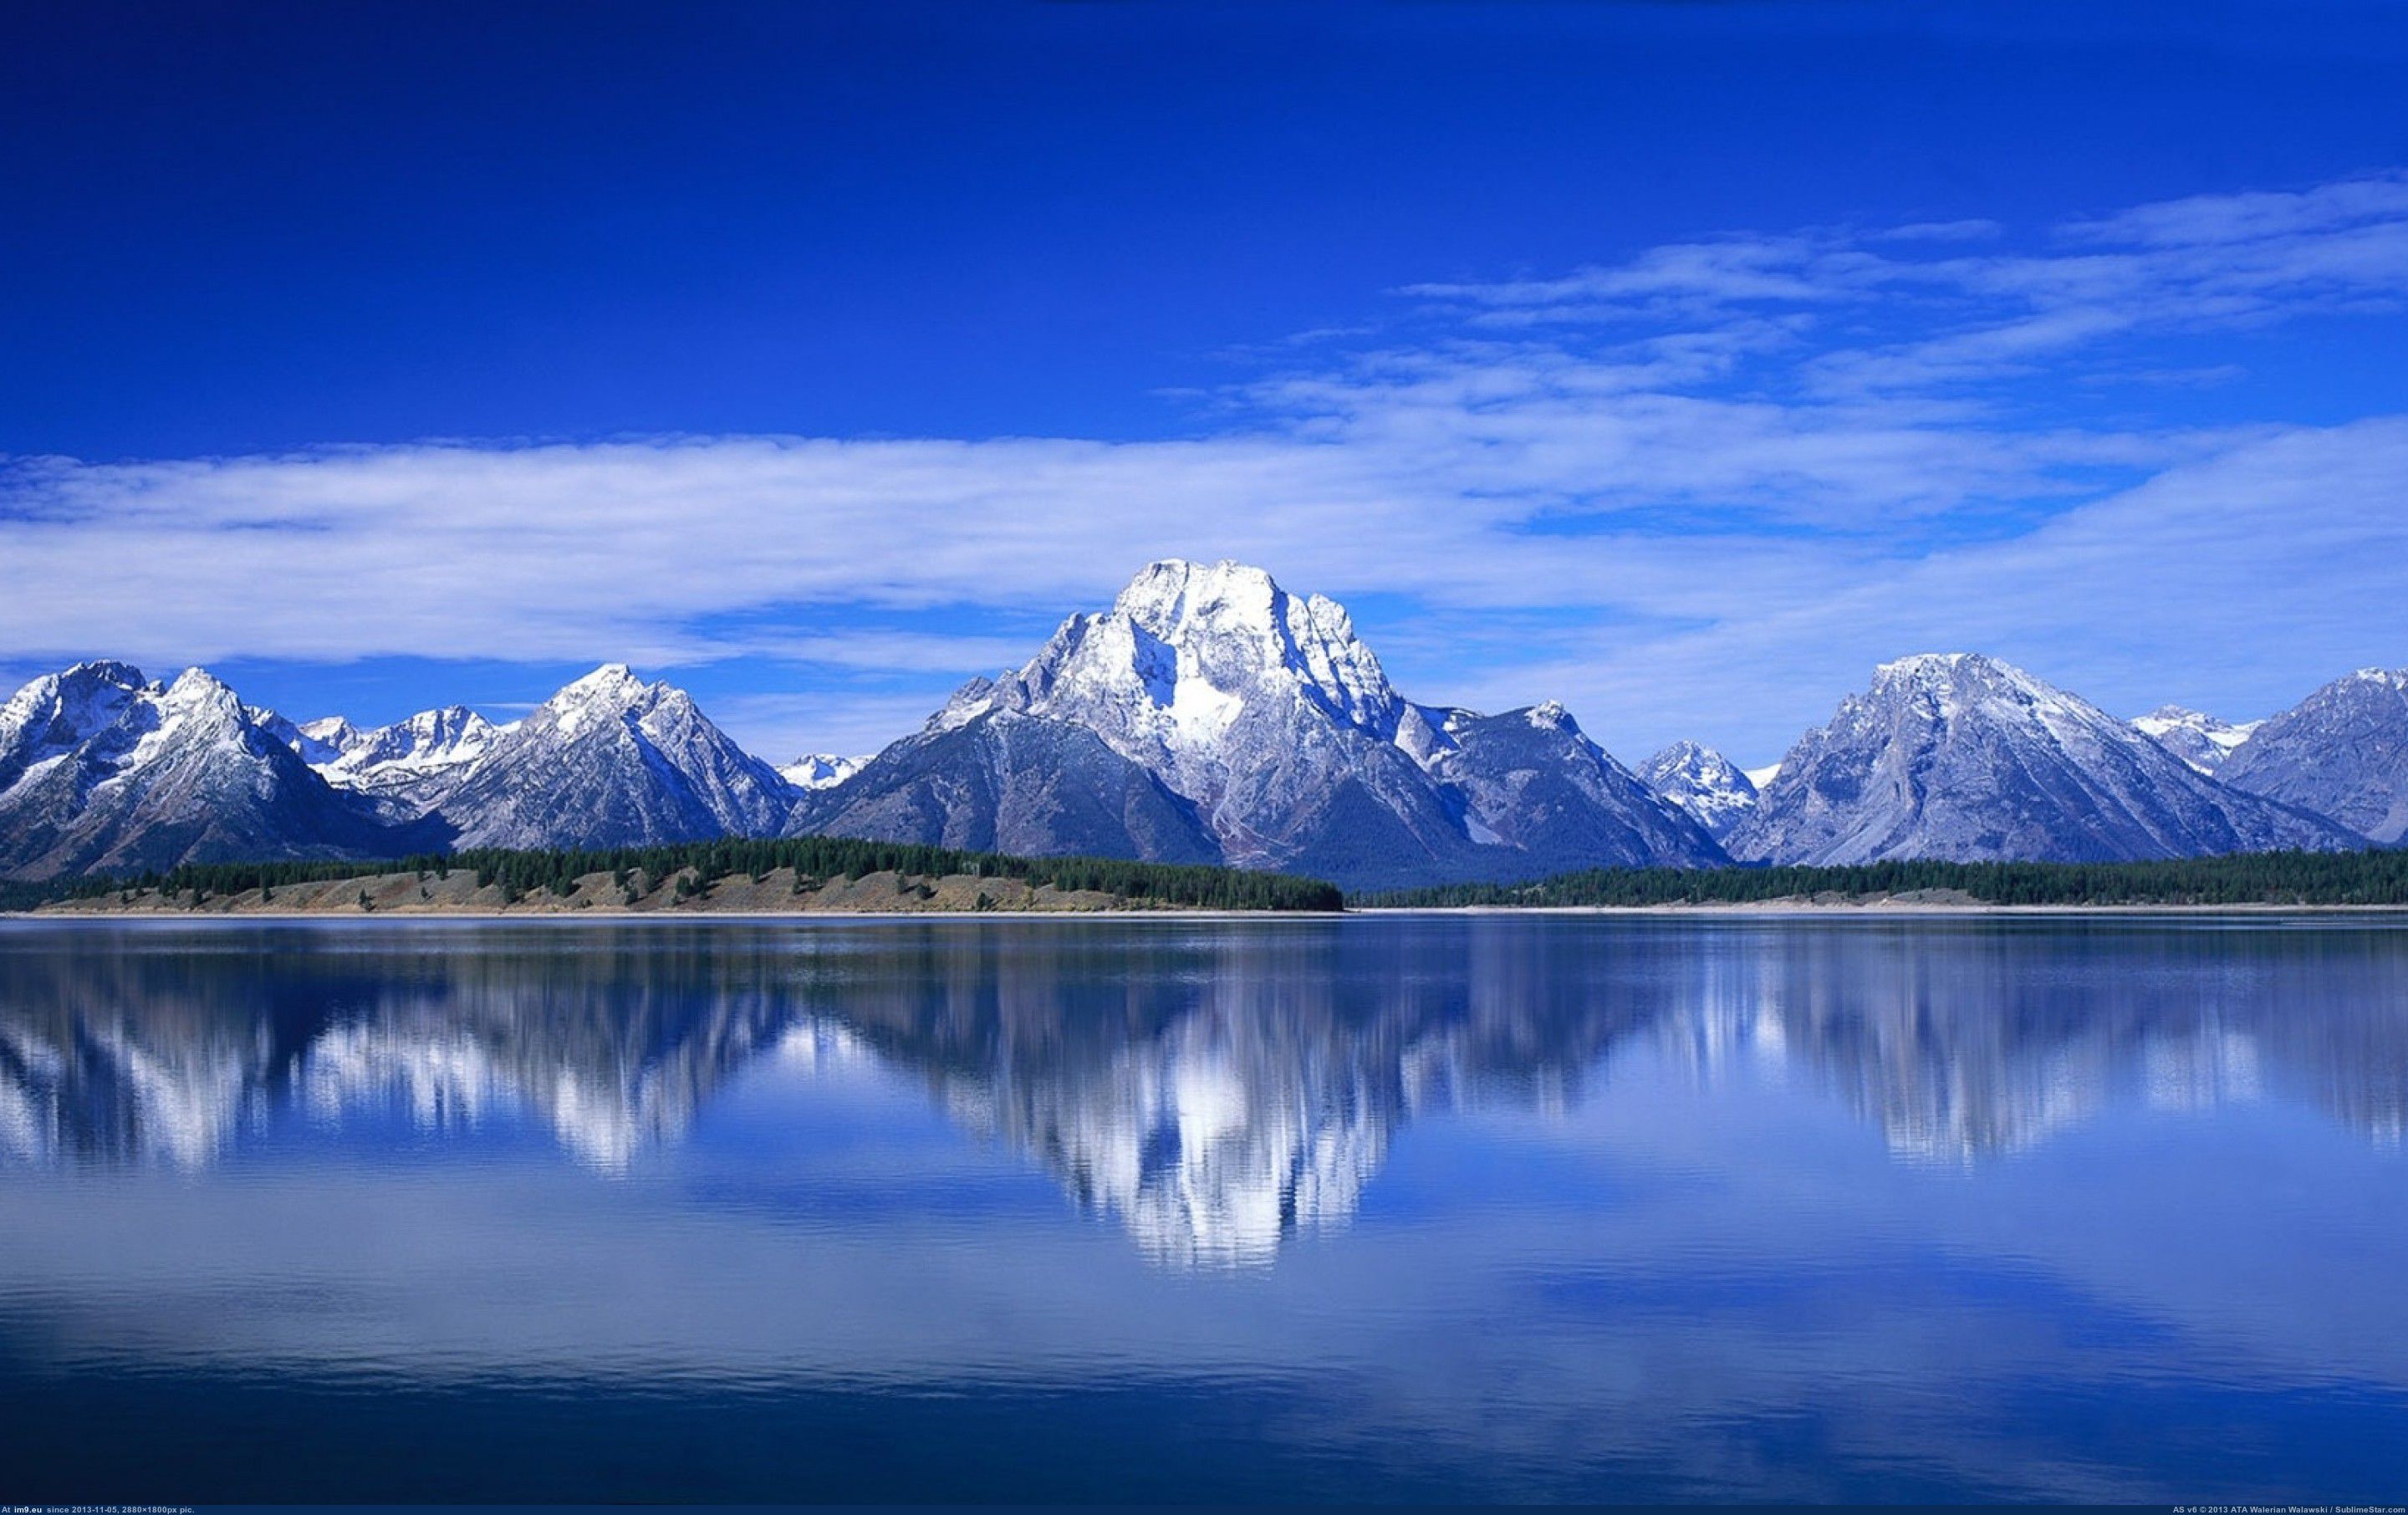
(1207, 715)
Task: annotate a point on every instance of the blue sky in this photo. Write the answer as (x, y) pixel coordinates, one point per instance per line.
(1676, 361)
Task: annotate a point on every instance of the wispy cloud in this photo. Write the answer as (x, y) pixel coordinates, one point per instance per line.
(2208, 261)
(1725, 474)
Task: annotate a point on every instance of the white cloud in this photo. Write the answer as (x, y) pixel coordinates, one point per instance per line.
(2236, 582)
(1747, 468)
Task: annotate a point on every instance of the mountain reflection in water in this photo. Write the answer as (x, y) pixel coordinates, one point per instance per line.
(1215, 1087)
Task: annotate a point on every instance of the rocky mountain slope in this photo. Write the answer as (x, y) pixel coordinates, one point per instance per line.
(1961, 757)
(1002, 782)
(2342, 751)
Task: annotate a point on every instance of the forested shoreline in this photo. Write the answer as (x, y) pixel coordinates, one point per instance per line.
(685, 873)
(692, 868)
(2374, 878)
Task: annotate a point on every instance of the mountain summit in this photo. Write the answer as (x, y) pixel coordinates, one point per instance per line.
(1216, 715)
(2197, 738)
(1961, 757)
(611, 761)
(410, 766)
(1703, 783)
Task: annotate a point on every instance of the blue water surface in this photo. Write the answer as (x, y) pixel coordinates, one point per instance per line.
(1402, 1208)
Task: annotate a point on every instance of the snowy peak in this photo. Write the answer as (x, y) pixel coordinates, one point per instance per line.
(411, 762)
(1961, 679)
(974, 699)
(58, 711)
(101, 770)
(2199, 739)
(1189, 653)
(609, 761)
(610, 690)
(1550, 715)
(452, 733)
(321, 741)
(1933, 691)
(201, 707)
(1226, 616)
(821, 770)
(197, 690)
(1703, 781)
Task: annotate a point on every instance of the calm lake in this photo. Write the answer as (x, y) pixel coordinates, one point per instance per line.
(1431, 1208)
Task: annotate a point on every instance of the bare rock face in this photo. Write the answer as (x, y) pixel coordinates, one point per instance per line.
(1960, 757)
(2199, 739)
(102, 771)
(1701, 780)
(1268, 720)
(2342, 751)
(611, 761)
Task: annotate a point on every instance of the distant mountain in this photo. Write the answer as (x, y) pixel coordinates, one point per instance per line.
(2342, 751)
(611, 761)
(821, 770)
(102, 770)
(411, 764)
(1265, 731)
(1703, 783)
(1961, 757)
(1532, 782)
(315, 742)
(2200, 740)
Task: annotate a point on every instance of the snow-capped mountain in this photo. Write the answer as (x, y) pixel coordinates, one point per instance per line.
(102, 769)
(1262, 718)
(821, 770)
(1531, 782)
(1703, 783)
(611, 761)
(411, 764)
(2342, 751)
(1209, 715)
(1961, 757)
(2199, 739)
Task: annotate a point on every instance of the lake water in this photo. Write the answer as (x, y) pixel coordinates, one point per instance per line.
(1401, 1208)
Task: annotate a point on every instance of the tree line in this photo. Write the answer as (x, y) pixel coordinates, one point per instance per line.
(2369, 877)
(693, 867)
(2373, 877)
